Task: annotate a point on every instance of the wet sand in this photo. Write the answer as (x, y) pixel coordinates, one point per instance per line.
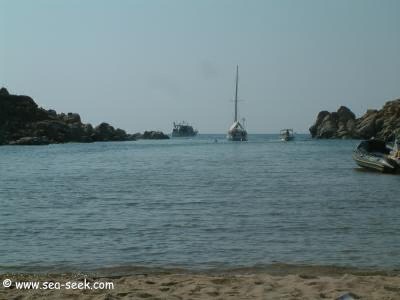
(274, 282)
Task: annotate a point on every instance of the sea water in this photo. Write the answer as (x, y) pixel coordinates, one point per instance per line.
(198, 202)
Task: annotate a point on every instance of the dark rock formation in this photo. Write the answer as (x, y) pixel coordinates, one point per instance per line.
(154, 135)
(22, 122)
(382, 124)
(151, 135)
(31, 141)
(4, 92)
(105, 132)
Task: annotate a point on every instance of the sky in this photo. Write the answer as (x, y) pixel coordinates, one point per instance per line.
(142, 64)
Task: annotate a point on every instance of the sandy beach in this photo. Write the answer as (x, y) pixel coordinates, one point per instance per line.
(275, 283)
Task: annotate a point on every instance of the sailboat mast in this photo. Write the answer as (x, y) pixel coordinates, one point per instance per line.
(236, 91)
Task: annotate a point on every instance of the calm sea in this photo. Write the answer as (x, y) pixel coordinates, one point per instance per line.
(195, 203)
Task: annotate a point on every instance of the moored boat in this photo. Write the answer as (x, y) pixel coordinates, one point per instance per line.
(237, 132)
(183, 129)
(286, 135)
(376, 155)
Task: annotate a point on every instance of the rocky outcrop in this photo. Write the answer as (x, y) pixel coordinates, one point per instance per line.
(151, 135)
(382, 124)
(22, 122)
(338, 124)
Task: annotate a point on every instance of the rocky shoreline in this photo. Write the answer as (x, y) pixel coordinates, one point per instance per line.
(23, 122)
(343, 124)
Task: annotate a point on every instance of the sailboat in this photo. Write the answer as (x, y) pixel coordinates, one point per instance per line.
(237, 132)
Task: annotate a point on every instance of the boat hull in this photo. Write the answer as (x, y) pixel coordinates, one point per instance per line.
(373, 155)
(286, 135)
(237, 136)
(287, 138)
(374, 166)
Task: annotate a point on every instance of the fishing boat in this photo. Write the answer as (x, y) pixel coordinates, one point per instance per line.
(378, 156)
(286, 135)
(237, 132)
(183, 129)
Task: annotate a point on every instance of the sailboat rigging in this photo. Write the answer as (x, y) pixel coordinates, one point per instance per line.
(237, 132)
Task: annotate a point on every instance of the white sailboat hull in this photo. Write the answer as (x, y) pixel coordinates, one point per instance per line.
(238, 137)
(237, 132)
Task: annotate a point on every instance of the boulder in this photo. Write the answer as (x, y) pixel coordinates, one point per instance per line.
(345, 114)
(366, 126)
(55, 130)
(103, 132)
(328, 127)
(351, 127)
(72, 118)
(154, 135)
(76, 133)
(106, 132)
(88, 131)
(136, 136)
(314, 128)
(4, 92)
(52, 113)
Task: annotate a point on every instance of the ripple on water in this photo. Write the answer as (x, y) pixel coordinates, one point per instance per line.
(195, 203)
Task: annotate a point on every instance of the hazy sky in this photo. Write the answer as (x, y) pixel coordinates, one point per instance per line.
(144, 64)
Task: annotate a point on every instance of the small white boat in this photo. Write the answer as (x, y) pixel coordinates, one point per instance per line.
(237, 132)
(286, 135)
